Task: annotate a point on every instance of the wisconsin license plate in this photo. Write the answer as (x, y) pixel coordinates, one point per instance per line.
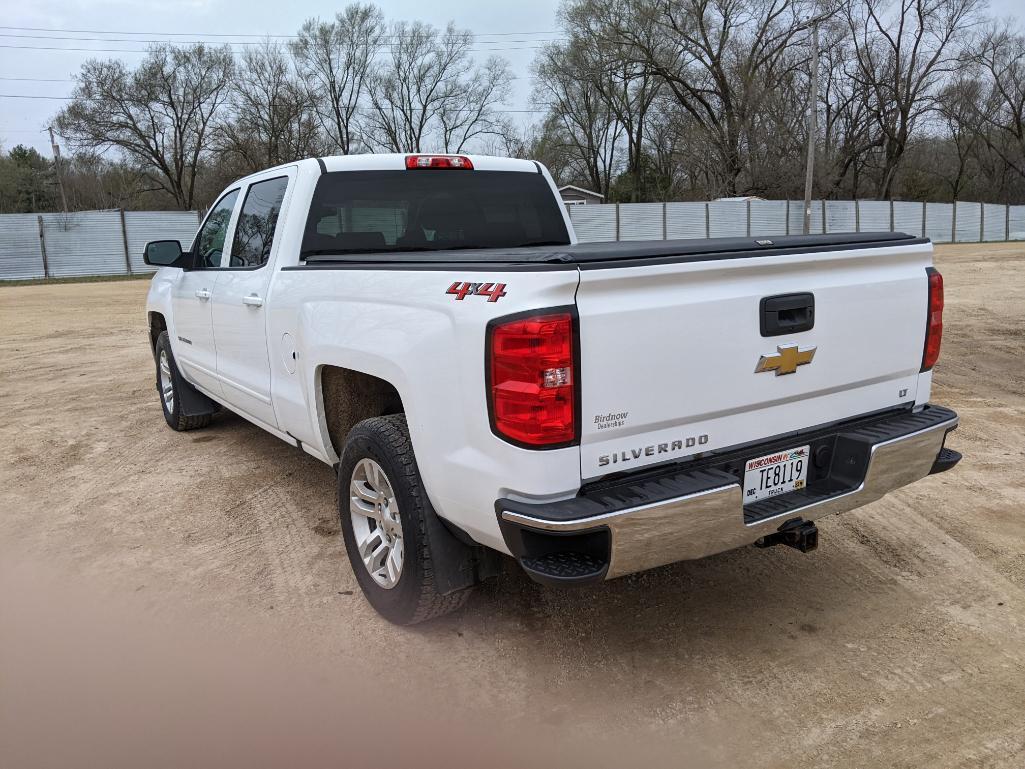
(775, 474)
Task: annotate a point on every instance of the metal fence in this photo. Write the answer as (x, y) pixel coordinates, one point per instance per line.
(960, 222)
(111, 242)
(86, 242)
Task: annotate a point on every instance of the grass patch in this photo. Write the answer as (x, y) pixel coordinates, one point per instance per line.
(79, 279)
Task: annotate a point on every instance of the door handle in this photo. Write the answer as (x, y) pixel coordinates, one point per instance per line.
(253, 300)
(203, 294)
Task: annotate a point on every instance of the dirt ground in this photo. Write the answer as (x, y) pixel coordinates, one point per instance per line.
(162, 593)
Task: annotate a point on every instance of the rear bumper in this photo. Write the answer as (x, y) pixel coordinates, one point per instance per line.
(639, 523)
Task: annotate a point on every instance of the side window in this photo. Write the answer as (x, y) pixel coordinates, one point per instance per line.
(254, 233)
(210, 240)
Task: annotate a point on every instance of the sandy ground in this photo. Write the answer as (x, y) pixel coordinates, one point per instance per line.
(171, 596)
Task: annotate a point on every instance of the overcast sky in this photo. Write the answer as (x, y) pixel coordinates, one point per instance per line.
(513, 29)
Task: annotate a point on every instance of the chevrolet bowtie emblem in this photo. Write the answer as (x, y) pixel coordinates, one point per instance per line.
(786, 359)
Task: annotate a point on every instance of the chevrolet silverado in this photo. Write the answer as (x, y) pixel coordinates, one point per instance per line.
(485, 385)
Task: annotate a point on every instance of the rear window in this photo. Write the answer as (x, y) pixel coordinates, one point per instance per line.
(362, 212)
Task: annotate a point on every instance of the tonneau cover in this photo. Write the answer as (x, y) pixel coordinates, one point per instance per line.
(641, 252)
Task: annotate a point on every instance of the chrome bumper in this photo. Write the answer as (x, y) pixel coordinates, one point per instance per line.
(712, 521)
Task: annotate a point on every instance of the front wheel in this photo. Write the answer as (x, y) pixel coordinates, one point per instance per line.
(169, 386)
(381, 504)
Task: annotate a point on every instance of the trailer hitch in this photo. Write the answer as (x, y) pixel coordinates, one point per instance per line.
(796, 533)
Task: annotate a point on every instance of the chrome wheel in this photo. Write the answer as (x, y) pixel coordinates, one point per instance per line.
(166, 382)
(376, 523)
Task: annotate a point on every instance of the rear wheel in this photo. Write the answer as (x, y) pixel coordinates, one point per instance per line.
(381, 504)
(169, 386)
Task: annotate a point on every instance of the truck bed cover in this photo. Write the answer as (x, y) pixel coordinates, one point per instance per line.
(598, 255)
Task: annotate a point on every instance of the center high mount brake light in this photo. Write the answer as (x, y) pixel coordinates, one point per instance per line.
(462, 162)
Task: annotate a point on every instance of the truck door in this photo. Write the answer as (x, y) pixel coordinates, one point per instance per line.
(238, 304)
(190, 299)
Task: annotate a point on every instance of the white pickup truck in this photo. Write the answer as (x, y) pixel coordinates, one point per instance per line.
(428, 325)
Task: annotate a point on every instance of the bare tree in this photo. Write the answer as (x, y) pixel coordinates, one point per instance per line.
(719, 59)
(672, 157)
(958, 110)
(579, 118)
(335, 60)
(477, 114)
(1001, 57)
(903, 50)
(848, 134)
(160, 115)
(427, 91)
(272, 119)
(95, 182)
(607, 65)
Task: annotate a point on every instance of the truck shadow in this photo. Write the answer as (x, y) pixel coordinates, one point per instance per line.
(748, 599)
(735, 604)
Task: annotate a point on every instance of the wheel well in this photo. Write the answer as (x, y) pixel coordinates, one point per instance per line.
(157, 325)
(352, 396)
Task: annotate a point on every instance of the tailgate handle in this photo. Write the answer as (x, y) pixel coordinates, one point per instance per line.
(787, 314)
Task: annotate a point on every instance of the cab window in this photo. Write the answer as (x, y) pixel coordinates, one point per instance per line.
(360, 212)
(210, 240)
(254, 231)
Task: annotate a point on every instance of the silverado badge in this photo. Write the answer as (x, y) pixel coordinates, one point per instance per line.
(785, 360)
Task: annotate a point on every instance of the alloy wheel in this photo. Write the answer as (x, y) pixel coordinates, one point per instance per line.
(166, 382)
(376, 523)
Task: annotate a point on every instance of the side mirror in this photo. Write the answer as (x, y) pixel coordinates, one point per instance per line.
(166, 253)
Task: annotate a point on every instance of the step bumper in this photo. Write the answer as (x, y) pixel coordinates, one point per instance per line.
(631, 527)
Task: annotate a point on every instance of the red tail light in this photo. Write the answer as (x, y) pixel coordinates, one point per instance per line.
(532, 380)
(438, 161)
(934, 324)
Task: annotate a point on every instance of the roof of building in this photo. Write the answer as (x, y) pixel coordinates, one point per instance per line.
(581, 190)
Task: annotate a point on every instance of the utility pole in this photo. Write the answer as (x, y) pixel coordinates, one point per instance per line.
(809, 173)
(57, 168)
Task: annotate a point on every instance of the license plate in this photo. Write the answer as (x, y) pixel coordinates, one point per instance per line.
(775, 474)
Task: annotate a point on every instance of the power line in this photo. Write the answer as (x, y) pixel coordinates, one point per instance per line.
(55, 48)
(227, 34)
(41, 79)
(144, 50)
(72, 98)
(135, 40)
(162, 32)
(225, 42)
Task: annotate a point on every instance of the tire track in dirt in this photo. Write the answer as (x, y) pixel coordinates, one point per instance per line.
(899, 643)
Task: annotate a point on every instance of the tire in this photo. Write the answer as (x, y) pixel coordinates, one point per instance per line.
(412, 596)
(169, 385)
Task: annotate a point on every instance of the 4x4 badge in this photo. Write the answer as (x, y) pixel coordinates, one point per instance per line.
(461, 290)
(785, 360)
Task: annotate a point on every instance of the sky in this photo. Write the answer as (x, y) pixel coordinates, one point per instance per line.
(512, 29)
(500, 26)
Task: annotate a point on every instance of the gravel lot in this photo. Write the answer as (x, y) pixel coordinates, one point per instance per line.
(134, 561)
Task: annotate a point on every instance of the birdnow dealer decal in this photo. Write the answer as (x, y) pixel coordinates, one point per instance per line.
(462, 289)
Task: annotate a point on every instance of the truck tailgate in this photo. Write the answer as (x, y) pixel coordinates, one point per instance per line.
(669, 351)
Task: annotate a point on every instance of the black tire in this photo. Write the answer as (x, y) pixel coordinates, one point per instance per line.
(414, 597)
(176, 420)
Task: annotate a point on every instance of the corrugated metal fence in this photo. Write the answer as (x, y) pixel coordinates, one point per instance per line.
(86, 242)
(111, 242)
(942, 222)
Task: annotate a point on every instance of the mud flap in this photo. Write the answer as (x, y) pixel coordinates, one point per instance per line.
(457, 565)
(192, 402)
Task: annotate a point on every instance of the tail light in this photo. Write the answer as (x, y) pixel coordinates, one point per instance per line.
(532, 380)
(438, 161)
(934, 324)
